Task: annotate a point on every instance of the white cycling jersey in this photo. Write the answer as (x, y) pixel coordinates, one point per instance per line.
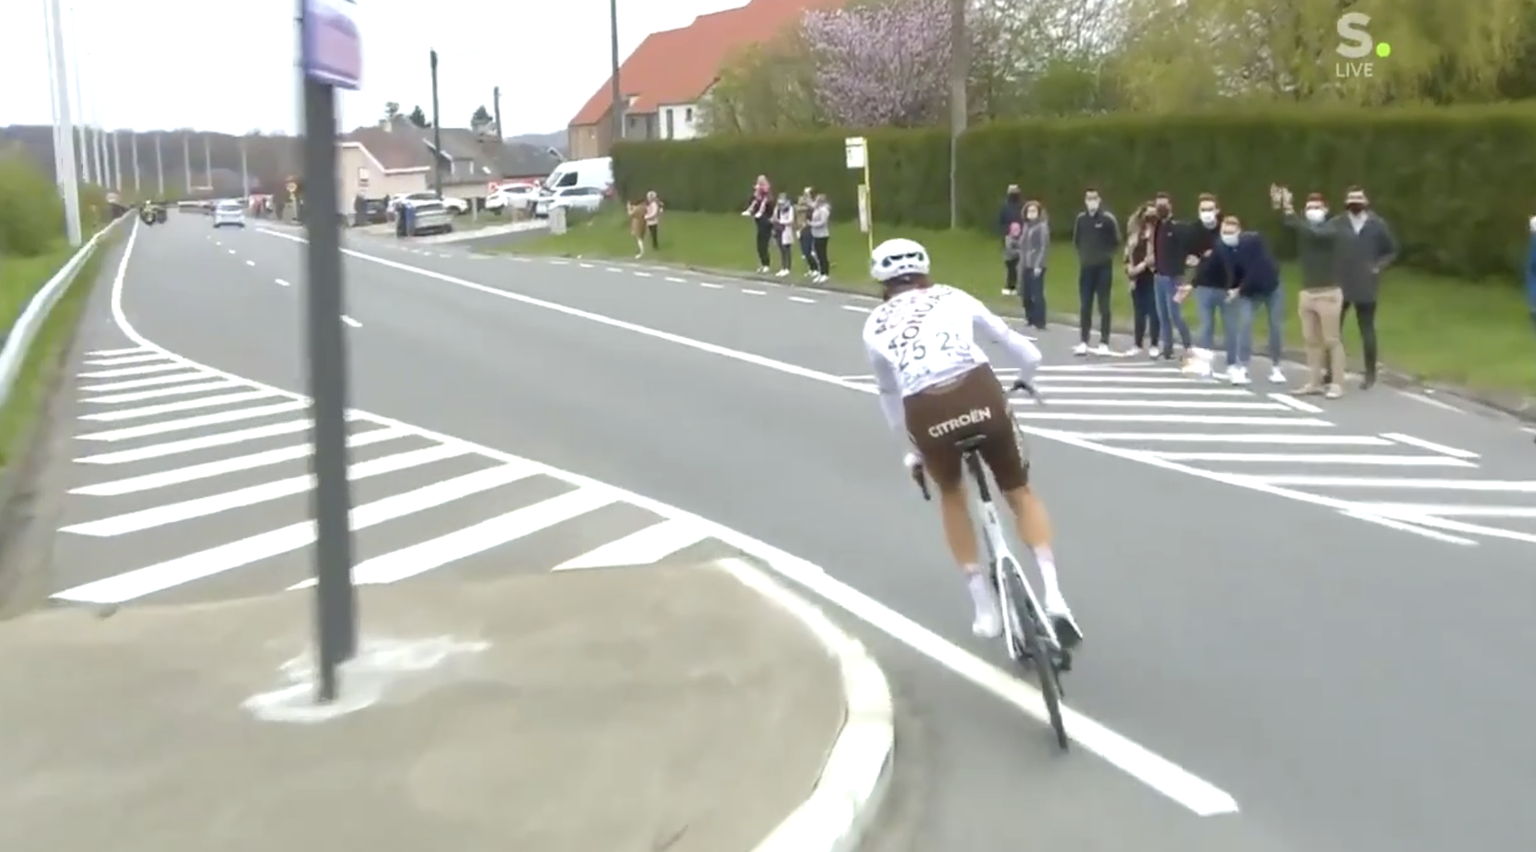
(925, 336)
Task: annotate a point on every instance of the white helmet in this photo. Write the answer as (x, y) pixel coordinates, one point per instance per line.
(896, 258)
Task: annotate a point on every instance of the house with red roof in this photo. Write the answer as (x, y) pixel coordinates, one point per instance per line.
(666, 80)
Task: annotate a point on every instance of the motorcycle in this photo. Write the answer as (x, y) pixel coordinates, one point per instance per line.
(152, 214)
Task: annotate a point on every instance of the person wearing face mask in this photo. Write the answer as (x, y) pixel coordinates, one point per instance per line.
(760, 211)
(1366, 246)
(1035, 245)
(1168, 270)
(1139, 260)
(1256, 279)
(784, 232)
(1096, 236)
(803, 207)
(1011, 213)
(821, 236)
(1320, 304)
(1215, 293)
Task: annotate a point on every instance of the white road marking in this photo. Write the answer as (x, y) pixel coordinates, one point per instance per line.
(121, 372)
(1432, 402)
(164, 426)
(1057, 390)
(434, 553)
(755, 292)
(109, 353)
(1187, 404)
(227, 557)
(1422, 484)
(1429, 445)
(1382, 460)
(173, 407)
(1240, 438)
(158, 381)
(642, 275)
(711, 285)
(202, 442)
(675, 280)
(1451, 510)
(250, 263)
(220, 467)
(125, 360)
(202, 507)
(652, 544)
(612, 269)
(856, 309)
(159, 393)
(1181, 419)
(231, 251)
(1292, 402)
(586, 266)
(802, 300)
(350, 321)
(281, 282)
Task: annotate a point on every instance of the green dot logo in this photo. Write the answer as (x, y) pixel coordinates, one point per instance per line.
(1383, 49)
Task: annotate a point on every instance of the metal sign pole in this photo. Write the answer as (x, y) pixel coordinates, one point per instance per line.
(335, 597)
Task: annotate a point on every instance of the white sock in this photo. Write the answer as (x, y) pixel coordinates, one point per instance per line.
(1047, 562)
(982, 593)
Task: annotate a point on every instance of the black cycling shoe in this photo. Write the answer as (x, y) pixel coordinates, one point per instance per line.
(1067, 632)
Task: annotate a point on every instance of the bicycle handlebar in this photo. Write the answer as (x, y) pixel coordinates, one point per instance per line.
(918, 475)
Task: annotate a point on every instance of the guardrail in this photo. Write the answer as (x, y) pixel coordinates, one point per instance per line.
(19, 338)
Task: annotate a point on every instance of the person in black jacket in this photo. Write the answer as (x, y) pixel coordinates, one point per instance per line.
(1256, 278)
(1167, 277)
(1214, 291)
(1011, 213)
(760, 211)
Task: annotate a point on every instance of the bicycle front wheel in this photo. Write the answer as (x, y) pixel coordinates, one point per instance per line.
(1037, 652)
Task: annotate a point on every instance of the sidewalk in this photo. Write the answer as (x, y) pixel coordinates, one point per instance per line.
(638, 709)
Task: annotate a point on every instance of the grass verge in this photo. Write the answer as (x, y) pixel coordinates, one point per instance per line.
(18, 281)
(1474, 334)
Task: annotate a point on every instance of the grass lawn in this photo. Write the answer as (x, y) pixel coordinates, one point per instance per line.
(19, 279)
(1470, 333)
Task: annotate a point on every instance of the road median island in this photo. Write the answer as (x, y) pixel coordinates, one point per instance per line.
(1433, 329)
(32, 251)
(648, 707)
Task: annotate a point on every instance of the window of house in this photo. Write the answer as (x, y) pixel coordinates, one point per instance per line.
(688, 115)
(671, 114)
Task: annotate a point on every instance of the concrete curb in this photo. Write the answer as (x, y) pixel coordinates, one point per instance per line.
(854, 780)
(1512, 405)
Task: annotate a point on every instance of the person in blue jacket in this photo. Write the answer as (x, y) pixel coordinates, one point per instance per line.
(1255, 280)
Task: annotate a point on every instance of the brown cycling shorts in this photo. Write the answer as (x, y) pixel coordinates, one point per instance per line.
(967, 405)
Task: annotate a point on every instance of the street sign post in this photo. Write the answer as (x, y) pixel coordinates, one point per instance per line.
(332, 58)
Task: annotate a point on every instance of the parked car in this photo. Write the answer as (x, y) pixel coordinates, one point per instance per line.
(574, 198)
(431, 217)
(512, 196)
(375, 211)
(456, 206)
(229, 213)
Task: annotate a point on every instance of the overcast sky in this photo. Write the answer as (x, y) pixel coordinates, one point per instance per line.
(238, 74)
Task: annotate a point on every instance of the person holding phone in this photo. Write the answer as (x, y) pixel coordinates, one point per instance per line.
(1140, 259)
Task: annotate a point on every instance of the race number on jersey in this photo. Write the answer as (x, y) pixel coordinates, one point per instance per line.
(927, 335)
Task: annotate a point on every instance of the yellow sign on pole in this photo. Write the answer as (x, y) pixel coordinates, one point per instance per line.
(856, 154)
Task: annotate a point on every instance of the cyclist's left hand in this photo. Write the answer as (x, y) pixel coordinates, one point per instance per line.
(913, 462)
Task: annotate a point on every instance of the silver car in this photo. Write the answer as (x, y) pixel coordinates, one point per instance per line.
(229, 213)
(431, 217)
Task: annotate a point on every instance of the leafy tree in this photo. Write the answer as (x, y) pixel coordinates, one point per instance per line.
(884, 64)
(391, 110)
(764, 88)
(418, 117)
(482, 119)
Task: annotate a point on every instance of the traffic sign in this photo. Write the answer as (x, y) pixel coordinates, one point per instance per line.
(333, 43)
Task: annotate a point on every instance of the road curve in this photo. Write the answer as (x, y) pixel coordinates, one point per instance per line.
(1267, 646)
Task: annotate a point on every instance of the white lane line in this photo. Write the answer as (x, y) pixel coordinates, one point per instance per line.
(675, 280)
(1171, 780)
(122, 372)
(158, 381)
(586, 266)
(612, 269)
(1429, 445)
(1117, 381)
(231, 251)
(125, 360)
(434, 553)
(1144, 391)
(711, 285)
(1413, 510)
(1292, 402)
(802, 300)
(202, 442)
(642, 274)
(350, 321)
(219, 467)
(250, 263)
(755, 292)
(1521, 486)
(110, 353)
(1189, 404)
(159, 393)
(856, 309)
(1240, 438)
(130, 432)
(1382, 460)
(202, 507)
(1432, 402)
(282, 283)
(227, 557)
(173, 407)
(652, 544)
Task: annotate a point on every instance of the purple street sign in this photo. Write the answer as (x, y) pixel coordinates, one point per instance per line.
(333, 45)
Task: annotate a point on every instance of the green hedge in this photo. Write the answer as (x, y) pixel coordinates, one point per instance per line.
(1457, 184)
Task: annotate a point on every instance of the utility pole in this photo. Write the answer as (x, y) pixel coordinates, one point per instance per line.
(437, 135)
(207, 161)
(62, 120)
(501, 135)
(52, 33)
(186, 159)
(159, 166)
(959, 70)
(245, 174)
(618, 106)
(133, 148)
(117, 161)
(81, 130)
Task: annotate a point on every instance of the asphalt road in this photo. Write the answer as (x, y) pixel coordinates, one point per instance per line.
(1350, 669)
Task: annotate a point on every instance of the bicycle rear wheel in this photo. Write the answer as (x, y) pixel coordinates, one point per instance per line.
(1036, 651)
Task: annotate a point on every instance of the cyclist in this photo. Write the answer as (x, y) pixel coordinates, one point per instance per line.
(936, 388)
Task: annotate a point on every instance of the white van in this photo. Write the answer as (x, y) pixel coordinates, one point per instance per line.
(596, 172)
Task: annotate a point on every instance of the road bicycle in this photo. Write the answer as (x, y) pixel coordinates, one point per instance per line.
(1029, 636)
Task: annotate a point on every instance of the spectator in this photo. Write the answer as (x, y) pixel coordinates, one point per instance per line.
(1139, 260)
(1530, 272)
(760, 211)
(1168, 270)
(636, 212)
(1008, 215)
(803, 228)
(784, 232)
(1255, 277)
(1096, 236)
(1320, 303)
(1365, 247)
(1036, 250)
(821, 235)
(653, 208)
(1013, 255)
(1214, 291)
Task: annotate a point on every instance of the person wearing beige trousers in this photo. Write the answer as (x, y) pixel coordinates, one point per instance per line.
(1321, 301)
